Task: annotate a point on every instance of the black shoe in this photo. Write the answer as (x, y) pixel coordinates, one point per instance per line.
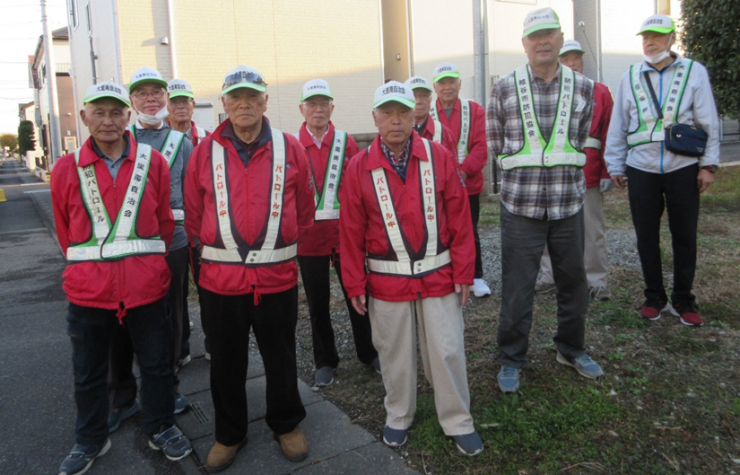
(116, 416)
(81, 458)
(172, 442)
(181, 403)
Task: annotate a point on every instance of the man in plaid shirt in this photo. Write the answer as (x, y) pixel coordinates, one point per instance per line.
(537, 123)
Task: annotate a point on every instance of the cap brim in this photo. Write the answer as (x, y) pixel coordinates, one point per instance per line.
(182, 94)
(138, 83)
(248, 85)
(570, 50)
(450, 74)
(545, 26)
(657, 29)
(408, 103)
(317, 93)
(101, 96)
(421, 86)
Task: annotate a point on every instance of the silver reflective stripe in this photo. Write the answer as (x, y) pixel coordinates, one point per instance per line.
(437, 131)
(171, 146)
(462, 144)
(254, 257)
(267, 254)
(93, 200)
(429, 199)
(564, 158)
(179, 214)
(593, 143)
(144, 246)
(388, 211)
(422, 266)
(331, 179)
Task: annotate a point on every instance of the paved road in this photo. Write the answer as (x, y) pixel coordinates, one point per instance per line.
(36, 406)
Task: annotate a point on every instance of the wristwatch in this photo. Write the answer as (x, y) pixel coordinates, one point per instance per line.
(711, 168)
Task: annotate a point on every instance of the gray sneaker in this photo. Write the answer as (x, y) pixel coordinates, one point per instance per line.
(600, 293)
(542, 287)
(81, 458)
(508, 379)
(172, 442)
(376, 365)
(324, 376)
(395, 437)
(584, 365)
(469, 444)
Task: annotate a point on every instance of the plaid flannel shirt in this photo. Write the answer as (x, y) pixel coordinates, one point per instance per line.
(539, 192)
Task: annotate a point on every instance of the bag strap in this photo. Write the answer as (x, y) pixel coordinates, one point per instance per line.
(652, 95)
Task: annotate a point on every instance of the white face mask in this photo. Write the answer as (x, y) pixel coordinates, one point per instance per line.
(153, 119)
(657, 58)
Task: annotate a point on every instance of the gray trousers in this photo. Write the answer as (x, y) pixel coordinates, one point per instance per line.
(522, 243)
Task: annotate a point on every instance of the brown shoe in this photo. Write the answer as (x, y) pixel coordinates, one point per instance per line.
(294, 445)
(221, 456)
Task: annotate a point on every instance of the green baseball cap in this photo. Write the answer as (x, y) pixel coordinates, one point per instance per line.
(106, 89)
(145, 75)
(394, 91)
(540, 19)
(243, 76)
(659, 24)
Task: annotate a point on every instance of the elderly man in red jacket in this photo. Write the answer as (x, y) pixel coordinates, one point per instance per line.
(405, 216)
(113, 220)
(426, 126)
(467, 123)
(248, 196)
(329, 150)
(595, 256)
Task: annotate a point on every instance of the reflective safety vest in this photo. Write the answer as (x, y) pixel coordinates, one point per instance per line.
(462, 143)
(121, 240)
(557, 150)
(327, 201)
(169, 149)
(235, 250)
(649, 129)
(434, 256)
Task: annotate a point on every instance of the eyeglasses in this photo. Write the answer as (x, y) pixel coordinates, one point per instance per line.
(242, 77)
(324, 104)
(158, 94)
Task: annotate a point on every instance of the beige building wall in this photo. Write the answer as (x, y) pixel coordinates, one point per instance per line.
(288, 41)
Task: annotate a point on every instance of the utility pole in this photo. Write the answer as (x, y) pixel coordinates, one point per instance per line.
(480, 51)
(51, 76)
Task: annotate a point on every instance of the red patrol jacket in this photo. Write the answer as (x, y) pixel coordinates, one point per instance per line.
(428, 133)
(595, 168)
(249, 194)
(132, 281)
(323, 237)
(362, 229)
(477, 151)
(194, 130)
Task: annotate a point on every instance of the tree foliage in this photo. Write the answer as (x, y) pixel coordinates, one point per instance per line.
(711, 35)
(26, 140)
(9, 140)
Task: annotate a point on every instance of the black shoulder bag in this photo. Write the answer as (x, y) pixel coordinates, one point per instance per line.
(681, 139)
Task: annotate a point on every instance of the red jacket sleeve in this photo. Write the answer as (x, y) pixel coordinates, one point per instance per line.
(606, 103)
(164, 212)
(305, 206)
(59, 199)
(352, 228)
(477, 151)
(459, 221)
(447, 141)
(193, 192)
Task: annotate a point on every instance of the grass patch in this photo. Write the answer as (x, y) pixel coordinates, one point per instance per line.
(724, 194)
(683, 344)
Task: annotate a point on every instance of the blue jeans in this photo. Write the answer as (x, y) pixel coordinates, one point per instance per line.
(522, 242)
(151, 332)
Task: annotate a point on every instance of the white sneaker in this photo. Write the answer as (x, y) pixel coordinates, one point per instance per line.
(480, 288)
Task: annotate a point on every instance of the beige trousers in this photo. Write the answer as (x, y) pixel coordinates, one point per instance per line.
(595, 256)
(439, 324)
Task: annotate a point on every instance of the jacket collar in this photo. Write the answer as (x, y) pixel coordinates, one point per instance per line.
(305, 137)
(376, 159)
(91, 154)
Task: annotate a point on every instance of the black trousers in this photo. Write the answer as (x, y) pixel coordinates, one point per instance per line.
(273, 321)
(650, 194)
(315, 276)
(475, 214)
(90, 329)
(121, 379)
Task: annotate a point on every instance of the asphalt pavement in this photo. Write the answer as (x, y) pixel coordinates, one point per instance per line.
(37, 411)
